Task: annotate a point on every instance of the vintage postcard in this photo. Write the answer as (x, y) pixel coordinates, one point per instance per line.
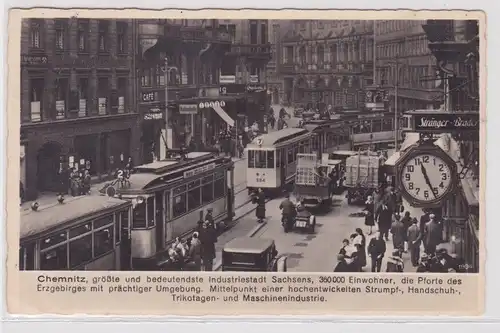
(246, 162)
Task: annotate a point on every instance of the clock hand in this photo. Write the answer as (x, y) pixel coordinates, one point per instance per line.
(427, 180)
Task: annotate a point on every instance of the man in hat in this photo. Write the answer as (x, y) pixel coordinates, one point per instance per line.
(208, 238)
(376, 251)
(398, 232)
(395, 263)
(209, 217)
(432, 235)
(414, 239)
(423, 266)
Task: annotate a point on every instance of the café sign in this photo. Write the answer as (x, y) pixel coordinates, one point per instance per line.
(441, 121)
(200, 170)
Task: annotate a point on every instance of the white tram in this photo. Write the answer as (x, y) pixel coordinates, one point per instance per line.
(272, 158)
(170, 195)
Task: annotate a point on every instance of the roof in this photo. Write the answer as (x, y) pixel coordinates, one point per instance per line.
(248, 245)
(391, 161)
(334, 162)
(271, 139)
(345, 152)
(73, 208)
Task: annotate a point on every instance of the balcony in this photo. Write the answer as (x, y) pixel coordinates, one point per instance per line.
(255, 51)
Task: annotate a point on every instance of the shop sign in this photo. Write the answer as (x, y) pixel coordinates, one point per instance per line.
(232, 89)
(254, 79)
(255, 88)
(153, 115)
(443, 122)
(188, 109)
(149, 96)
(206, 105)
(34, 60)
(227, 79)
(197, 171)
(370, 115)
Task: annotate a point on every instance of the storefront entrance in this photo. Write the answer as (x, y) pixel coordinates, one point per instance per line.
(48, 161)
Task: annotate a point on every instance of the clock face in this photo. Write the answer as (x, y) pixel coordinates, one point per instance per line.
(426, 177)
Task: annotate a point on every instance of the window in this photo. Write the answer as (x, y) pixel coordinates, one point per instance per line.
(263, 33)
(83, 28)
(60, 26)
(160, 76)
(257, 159)
(270, 159)
(62, 85)
(121, 37)
(27, 257)
(122, 92)
(103, 240)
(103, 36)
(35, 35)
(291, 156)
(146, 77)
(36, 96)
(54, 259)
(80, 250)
(150, 206)
(289, 55)
(139, 216)
(387, 125)
(83, 88)
(253, 32)
(219, 188)
(207, 189)
(194, 195)
(180, 201)
(53, 240)
(103, 88)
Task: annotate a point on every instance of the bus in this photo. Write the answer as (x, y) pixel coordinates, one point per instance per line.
(272, 158)
(88, 232)
(170, 196)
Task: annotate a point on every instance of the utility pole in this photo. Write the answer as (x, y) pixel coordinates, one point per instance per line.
(396, 120)
(166, 133)
(374, 53)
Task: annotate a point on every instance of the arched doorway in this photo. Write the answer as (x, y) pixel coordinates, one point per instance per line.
(276, 96)
(48, 162)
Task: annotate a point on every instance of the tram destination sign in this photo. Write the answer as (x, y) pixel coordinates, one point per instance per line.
(441, 122)
(199, 170)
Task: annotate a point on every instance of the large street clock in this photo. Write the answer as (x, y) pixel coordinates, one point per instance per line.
(426, 175)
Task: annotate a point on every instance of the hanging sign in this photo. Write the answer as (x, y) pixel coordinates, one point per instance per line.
(211, 104)
(436, 121)
(188, 109)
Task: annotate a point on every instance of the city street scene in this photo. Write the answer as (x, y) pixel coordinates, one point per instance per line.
(249, 145)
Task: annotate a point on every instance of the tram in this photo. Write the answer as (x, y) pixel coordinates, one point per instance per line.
(272, 158)
(90, 232)
(328, 136)
(170, 196)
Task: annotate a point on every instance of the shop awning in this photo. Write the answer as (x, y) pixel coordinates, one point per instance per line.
(223, 114)
(410, 139)
(391, 161)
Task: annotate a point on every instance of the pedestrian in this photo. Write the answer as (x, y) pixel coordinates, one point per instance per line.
(376, 250)
(210, 218)
(361, 240)
(369, 217)
(260, 212)
(432, 235)
(398, 232)
(407, 222)
(208, 238)
(395, 263)
(423, 220)
(414, 240)
(423, 266)
(195, 251)
(384, 220)
(341, 266)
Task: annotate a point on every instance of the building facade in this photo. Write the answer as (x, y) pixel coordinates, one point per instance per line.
(403, 59)
(178, 64)
(77, 99)
(455, 46)
(277, 30)
(327, 63)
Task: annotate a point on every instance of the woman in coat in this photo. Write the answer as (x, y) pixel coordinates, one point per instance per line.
(260, 212)
(369, 216)
(361, 240)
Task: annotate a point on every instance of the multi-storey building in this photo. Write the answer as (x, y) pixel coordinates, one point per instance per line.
(277, 30)
(179, 64)
(77, 99)
(327, 62)
(403, 59)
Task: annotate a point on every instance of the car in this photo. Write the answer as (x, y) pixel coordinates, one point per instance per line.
(252, 255)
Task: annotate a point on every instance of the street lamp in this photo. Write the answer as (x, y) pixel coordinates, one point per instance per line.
(167, 132)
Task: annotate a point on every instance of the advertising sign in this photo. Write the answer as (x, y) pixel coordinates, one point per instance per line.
(211, 104)
(255, 88)
(188, 109)
(227, 79)
(435, 121)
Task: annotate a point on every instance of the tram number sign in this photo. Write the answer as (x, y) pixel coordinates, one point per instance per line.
(261, 180)
(197, 171)
(206, 105)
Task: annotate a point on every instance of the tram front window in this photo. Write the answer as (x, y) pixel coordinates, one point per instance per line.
(80, 250)
(55, 259)
(257, 159)
(140, 216)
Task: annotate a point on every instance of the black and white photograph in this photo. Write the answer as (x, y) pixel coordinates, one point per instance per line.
(250, 145)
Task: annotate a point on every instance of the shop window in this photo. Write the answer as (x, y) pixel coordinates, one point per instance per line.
(36, 99)
(80, 250)
(55, 259)
(207, 190)
(194, 195)
(139, 216)
(62, 85)
(103, 241)
(150, 206)
(102, 91)
(83, 37)
(219, 188)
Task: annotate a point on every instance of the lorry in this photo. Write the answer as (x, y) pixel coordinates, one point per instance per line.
(312, 181)
(363, 174)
